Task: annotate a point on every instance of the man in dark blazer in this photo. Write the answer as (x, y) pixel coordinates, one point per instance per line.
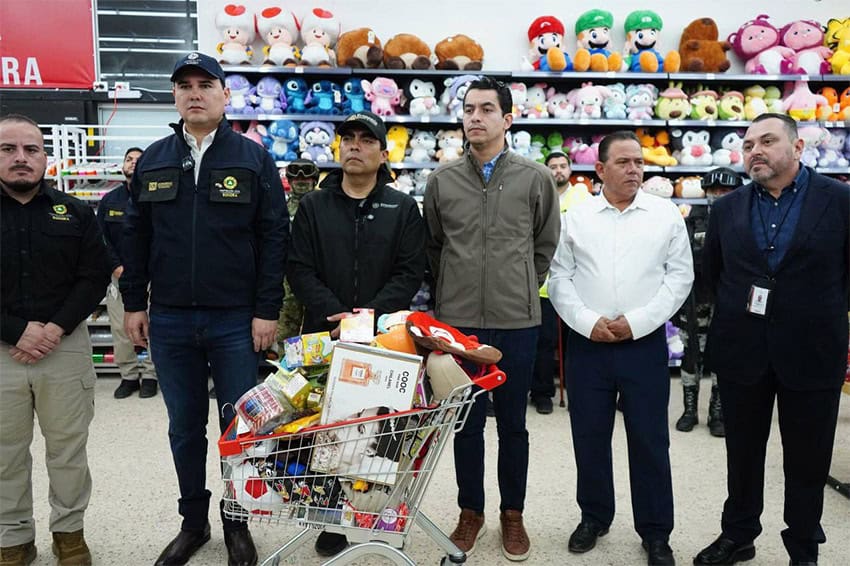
(777, 258)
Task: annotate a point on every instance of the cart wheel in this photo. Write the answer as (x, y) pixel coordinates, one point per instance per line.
(447, 560)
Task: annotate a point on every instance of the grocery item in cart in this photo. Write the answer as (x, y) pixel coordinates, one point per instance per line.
(262, 410)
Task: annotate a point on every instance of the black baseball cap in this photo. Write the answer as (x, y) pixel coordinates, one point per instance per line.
(371, 122)
(204, 62)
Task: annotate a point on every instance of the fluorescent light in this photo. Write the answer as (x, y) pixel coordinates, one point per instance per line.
(140, 40)
(136, 13)
(139, 50)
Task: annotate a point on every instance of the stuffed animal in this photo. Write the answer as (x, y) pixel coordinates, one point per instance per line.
(642, 29)
(319, 32)
(581, 152)
(354, 97)
(452, 97)
(521, 143)
(270, 97)
(833, 30)
(805, 37)
(690, 147)
(384, 95)
(658, 186)
(640, 100)
(538, 144)
(700, 49)
(535, 105)
(672, 103)
(828, 112)
(407, 51)
(459, 52)
(236, 26)
(420, 180)
(588, 100)
(420, 98)
(654, 147)
(558, 104)
(359, 48)
(754, 104)
(773, 99)
(281, 139)
(241, 95)
(554, 142)
(279, 29)
(801, 104)
(324, 97)
(704, 105)
(253, 133)
(295, 91)
(593, 37)
(422, 146)
(404, 182)
(450, 143)
(731, 106)
(316, 138)
(519, 98)
(813, 137)
(840, 60)
(397, 138)
(727, 147)
(830, 154)
(844, 106)
(545, 53)
(614, 107)
(688, 187)
(757, 44)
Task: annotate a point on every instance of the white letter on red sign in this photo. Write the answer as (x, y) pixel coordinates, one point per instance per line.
(32, 73)
(9, 67)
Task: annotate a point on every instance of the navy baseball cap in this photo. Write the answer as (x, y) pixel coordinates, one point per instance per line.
(204, 62)
(369, 121)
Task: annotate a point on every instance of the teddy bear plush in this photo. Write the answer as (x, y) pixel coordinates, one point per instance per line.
(546, 40)
(757, 44)
(642, 30)
(805, 37)
(459, 52)
(593, 38)
(236, 26)
(360, 49)
(407, 51)
(700, 49)
(672, 103)
(319, 32)
(384, 95)
(450, 143)
(279, 29)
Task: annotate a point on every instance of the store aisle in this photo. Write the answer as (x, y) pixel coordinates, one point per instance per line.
(133, 512)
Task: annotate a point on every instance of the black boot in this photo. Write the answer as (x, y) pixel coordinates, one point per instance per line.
(715, 414)
(690, 394)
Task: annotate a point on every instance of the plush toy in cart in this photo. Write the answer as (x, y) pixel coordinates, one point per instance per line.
(279, 29)
(593, 39)
(236, 26)
(546, 39)
(642, 30)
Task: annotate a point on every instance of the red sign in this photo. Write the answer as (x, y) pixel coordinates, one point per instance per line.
(46, 44)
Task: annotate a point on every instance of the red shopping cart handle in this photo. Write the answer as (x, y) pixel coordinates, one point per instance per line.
(490, 380)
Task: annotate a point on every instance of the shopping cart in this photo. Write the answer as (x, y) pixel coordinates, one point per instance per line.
(364, 478)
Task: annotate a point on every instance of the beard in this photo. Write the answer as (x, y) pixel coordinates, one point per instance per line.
(561, 183)
(20, 186)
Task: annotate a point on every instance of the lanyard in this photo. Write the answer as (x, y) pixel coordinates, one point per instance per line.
(770, 242)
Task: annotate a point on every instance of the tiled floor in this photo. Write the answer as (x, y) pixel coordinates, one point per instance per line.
(133, 511)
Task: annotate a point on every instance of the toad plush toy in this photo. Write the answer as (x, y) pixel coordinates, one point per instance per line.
(236, 26)
(593, 37)
(319, 32)
(546, 38)
(642, 30)
(279, 29)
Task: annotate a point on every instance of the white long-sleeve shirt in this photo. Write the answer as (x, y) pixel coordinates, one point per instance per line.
(635, 263)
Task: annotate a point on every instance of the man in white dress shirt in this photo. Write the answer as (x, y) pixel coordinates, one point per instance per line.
(623, 267)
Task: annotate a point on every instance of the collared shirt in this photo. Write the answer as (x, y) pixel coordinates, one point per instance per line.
(487, 168)
(635, 263)
(774, 220)
(198, 152)
(53, 266)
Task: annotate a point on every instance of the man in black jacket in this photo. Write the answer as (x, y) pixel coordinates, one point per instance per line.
(776, 259)
(207, 227)
(356, 243)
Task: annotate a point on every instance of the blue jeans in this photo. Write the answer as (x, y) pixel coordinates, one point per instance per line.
(510, 401)
(192, 344)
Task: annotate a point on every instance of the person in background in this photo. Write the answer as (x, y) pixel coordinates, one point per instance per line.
(136, 375)
(356, 243)
(493, 224)
(53, 273)
(207, 229)
(623, 267)
(777, 261)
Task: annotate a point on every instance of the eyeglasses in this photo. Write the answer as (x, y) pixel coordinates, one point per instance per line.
(721, 178)
(303, 170)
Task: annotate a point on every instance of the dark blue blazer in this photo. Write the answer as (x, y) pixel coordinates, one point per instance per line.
(804, 339)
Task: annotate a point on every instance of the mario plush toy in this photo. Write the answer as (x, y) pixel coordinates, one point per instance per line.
(545, 37)
(593, 36)
(642, 29)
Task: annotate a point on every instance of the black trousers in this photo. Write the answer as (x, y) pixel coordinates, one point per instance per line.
(543, 377)
(807, 421)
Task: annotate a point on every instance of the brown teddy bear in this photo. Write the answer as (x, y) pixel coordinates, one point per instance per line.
(700, 50)
(407, 51)
(459, 52)
(359, 48)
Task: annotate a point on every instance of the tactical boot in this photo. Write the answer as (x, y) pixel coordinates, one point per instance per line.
(689, 419)
(715, 414)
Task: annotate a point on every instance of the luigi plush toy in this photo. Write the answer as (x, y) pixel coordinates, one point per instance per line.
(593, 35)
(642, 30)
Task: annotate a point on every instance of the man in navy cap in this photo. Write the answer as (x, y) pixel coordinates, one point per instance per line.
(207, 228)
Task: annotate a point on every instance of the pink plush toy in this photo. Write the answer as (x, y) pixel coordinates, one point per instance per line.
(801, 104)
(279, 30)
(236, 25)
(581, 152)
(384, 95)
(558, 104)
(757, 43)
(319, 32)
(805, 37)
(588, 100)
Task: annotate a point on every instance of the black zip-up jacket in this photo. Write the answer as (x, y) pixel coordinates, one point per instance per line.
(348, 253)
(221, 243)
(110, 216)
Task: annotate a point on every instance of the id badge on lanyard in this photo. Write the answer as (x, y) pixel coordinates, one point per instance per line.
(760, 297)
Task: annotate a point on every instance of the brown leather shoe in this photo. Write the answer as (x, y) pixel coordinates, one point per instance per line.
(71, 549)
(18, 555)
(515, 543)
(470, 528)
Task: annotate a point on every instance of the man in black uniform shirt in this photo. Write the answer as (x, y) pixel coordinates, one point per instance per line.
(54, 273)
(110, 217)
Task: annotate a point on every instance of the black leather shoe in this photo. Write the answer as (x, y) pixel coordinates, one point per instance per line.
(330, 544)
(803, 563)
(184, 545)
(543, 405)
(659, 553)
(240, 548)
(725, 551)
(584, 537)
